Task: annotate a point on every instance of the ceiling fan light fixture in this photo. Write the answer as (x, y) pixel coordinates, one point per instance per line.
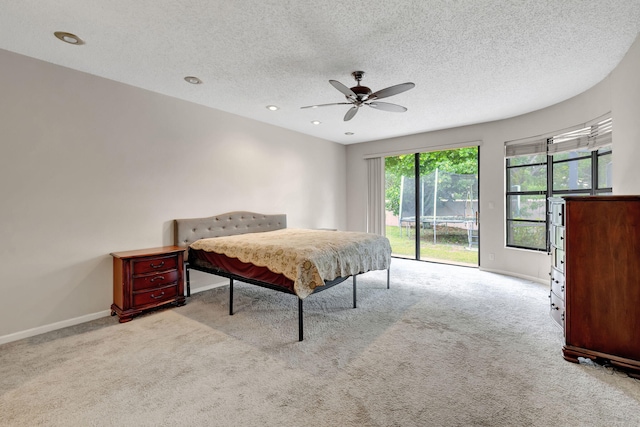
(68, 38)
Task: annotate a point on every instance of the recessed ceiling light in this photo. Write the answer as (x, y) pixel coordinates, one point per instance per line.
(273, 107)
(316, 122)
(68, 38)
(348, 133)
(193, 80)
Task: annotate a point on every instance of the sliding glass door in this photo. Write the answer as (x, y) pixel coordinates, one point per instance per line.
(432, 205)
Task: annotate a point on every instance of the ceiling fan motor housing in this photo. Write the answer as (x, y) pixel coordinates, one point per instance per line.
(362, 92)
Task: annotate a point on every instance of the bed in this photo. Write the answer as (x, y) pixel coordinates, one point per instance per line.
(259, 249)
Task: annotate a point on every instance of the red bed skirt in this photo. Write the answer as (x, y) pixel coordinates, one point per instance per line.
(212, 260)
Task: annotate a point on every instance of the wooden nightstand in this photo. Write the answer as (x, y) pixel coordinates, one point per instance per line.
(145, 279)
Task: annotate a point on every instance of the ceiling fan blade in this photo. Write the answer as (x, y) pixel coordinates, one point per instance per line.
(385, 106)
(352, 112)
(324, 105)
(391, 90)
(342, 88)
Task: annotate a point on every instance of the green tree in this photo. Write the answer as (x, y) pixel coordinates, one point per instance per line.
(459, 161)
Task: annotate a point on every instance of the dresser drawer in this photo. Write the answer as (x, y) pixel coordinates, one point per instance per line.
(155, 296)
(558, 259)
(557, 237)
(157, 280)
(557, 214)
(153, 264)
(557, 282)
(557, 309)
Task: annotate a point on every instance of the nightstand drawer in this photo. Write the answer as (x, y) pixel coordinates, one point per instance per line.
(157, 280)
(155, 296)
(159, 263)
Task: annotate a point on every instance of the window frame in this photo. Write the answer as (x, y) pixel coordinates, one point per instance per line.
(510, 193)
(600, 128)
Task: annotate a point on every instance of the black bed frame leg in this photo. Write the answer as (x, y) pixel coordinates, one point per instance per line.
(300, 321)
(188, 280)
(230, 297)
(354, 291)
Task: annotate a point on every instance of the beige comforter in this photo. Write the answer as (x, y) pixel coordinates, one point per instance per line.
(307, 257)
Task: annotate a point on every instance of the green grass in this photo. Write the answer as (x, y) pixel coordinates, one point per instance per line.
(451, 245)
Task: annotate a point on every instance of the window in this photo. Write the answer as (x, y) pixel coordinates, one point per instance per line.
(526, 201)
(576, 162)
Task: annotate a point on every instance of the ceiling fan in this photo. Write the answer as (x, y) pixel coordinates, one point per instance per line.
(358, 96)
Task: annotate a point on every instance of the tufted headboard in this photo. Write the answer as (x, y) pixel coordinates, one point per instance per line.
(189, 230)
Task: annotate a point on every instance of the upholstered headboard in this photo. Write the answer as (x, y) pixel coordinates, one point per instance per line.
(189, 230)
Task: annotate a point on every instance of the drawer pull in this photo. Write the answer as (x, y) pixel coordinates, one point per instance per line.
(553, 306)
(156, 265)
(153, 279)
(157, 297)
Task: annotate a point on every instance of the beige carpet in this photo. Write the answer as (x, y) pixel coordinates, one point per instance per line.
(445, 346)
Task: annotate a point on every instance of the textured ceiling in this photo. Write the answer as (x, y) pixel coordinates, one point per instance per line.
(472, 61)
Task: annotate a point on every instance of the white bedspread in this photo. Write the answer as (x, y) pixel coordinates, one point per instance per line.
(307, 257)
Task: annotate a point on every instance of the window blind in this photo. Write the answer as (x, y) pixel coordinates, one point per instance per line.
(375, 196)
(528, 148)
(591, 136)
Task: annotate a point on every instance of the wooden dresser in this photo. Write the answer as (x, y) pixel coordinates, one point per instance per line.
(595, 277)
(145, 279)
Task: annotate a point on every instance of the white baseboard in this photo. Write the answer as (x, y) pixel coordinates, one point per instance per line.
(77, 320)
(520, 276)
(53, 326)
(207, 287)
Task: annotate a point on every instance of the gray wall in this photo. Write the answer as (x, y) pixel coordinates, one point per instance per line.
(90, 166)
(618, 93)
